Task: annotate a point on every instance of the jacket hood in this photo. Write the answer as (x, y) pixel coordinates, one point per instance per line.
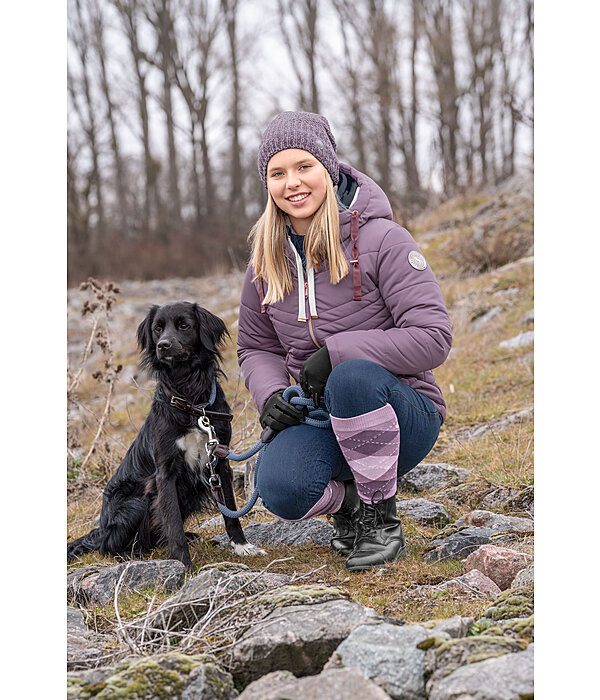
(371, 202)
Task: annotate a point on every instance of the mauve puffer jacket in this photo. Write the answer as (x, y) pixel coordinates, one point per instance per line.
(400, 322)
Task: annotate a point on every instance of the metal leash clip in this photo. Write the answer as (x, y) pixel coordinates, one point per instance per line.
(212, 442)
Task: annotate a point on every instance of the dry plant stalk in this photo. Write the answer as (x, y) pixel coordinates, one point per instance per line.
(105, 296)
(218, 627)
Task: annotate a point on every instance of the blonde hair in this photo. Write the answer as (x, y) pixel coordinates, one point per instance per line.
(321, 243)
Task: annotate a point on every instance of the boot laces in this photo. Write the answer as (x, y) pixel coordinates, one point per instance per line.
(371, 517)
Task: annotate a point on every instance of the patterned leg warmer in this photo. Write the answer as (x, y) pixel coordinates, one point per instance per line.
(330, 502)
(371, 445)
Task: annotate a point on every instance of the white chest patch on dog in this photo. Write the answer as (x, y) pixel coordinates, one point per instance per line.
(192, 445)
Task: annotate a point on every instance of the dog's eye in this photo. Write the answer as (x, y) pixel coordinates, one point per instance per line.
(157, 329)
(183, 326)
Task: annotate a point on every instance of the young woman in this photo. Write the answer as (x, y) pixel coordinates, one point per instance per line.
(340, 297)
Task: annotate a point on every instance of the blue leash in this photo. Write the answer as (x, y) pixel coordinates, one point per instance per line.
(317, 417)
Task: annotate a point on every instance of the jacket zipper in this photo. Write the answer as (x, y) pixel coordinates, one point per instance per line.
(310, 328)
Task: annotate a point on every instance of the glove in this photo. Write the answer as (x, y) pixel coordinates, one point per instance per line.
(279, 414)
(314, 374)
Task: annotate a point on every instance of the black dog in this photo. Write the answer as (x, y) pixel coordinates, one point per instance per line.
(163, 478)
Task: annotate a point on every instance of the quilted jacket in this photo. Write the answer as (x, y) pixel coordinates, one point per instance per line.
(389, 309)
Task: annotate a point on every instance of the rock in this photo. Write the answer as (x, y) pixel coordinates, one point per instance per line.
(486, 317)
(388, 655)
(299, 634)
(527, 318)
(95, 585)
(170, 675)
(460, 544)
(471, 582)
(524, 577)
(510, 498)
(495, 521)
(510, 604)
(432, 476)
(215, 521)
(342, 684)
(424, 511)
(498, 563)
(280, 532)
(515, 628)
(502, 423)
(85, 649)
(187, 606)
(456, 626)
(506, 677)
(522, 340)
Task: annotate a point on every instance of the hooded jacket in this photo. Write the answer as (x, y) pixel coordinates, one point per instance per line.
(389, 309)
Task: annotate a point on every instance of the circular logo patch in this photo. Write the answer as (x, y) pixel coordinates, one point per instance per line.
(319, 143)
(416, 260)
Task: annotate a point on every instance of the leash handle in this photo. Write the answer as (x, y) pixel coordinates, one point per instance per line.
(267, 435)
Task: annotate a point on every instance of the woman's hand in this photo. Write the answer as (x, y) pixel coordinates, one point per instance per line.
(279, 414)
(314, 374)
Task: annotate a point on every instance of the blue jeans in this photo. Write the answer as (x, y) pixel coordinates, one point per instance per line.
(300, 461)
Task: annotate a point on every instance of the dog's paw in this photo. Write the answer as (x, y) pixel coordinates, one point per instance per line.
(247, 549)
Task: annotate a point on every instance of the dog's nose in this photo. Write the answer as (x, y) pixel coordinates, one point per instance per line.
(164, 344)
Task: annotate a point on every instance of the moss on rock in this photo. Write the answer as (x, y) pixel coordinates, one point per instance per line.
(512, 603)
(299, 595)
(155, 677)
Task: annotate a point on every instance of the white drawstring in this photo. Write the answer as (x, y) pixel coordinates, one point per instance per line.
(301, 303)
(312, 301)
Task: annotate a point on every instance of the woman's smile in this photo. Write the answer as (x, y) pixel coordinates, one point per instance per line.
(298, 199)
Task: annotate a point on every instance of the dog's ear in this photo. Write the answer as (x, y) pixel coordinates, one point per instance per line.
(211, 329)
(144, 331)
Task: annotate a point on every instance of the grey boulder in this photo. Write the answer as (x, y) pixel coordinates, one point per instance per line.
(388, 655)
(342, 684)
(429, 476)
(423, 511)
(280, 532)
(95, 585)
(460, 544)
(505, 677)
(299, 634)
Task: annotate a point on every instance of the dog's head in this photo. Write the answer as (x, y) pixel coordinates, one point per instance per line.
(179, 334)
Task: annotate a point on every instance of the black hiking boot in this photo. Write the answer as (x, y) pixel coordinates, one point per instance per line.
(344, 521)
(379, 536)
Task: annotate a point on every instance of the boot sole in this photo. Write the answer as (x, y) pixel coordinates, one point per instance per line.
(364, 567)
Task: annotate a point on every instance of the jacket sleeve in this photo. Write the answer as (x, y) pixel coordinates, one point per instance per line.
(421, 337)
(261, 356)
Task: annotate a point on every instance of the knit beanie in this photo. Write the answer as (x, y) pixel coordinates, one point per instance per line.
(305, 130)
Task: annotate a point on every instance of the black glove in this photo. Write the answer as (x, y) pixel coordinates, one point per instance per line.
(279, 414)
(314, 374)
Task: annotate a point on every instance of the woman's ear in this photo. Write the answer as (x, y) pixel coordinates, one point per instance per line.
(211, 329)
(144, 331)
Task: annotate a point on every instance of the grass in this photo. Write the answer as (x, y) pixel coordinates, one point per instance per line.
(480, 381)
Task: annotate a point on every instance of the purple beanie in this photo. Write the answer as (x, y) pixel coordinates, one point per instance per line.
(305, 130)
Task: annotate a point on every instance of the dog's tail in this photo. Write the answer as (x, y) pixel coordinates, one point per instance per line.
(88, 543)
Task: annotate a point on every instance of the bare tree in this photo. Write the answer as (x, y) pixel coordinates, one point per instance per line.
(193, 70)
(482, 29)
(98, 42)
(408, 117)
(159, 14)
(440, 34)
(237, 206)
(85, 106)
(302, 39)
(130, 13)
